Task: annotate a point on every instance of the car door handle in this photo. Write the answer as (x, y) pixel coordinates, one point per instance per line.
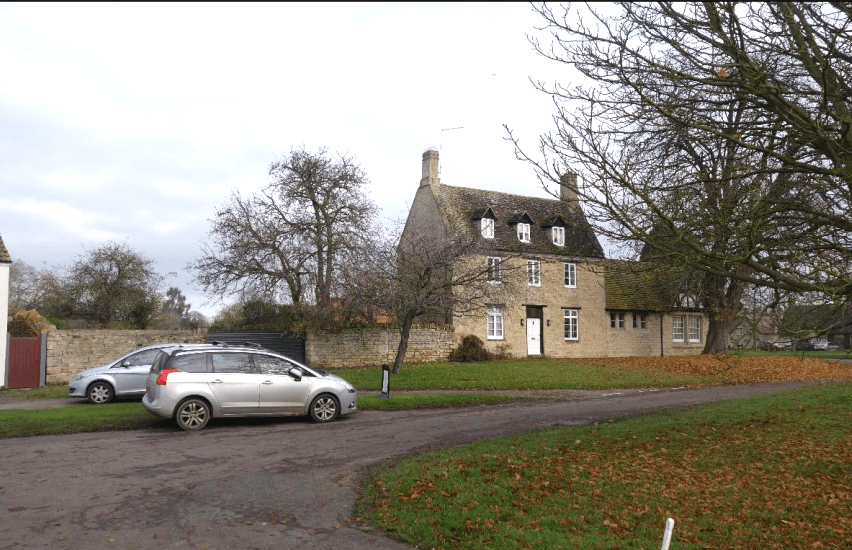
(267, 382)
(217, 381)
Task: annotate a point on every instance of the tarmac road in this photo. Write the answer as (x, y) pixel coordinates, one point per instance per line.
(269, 483)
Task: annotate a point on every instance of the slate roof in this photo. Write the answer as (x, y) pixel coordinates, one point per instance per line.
(462, 208)
(639, 286)
(4, 254)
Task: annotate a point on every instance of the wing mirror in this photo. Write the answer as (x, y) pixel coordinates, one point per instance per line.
(126, 363)
(296, 373)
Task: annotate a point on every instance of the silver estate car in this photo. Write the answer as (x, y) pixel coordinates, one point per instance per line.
(218, 380)
(124, 377)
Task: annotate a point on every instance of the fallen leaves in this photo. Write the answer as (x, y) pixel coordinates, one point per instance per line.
(735, 369)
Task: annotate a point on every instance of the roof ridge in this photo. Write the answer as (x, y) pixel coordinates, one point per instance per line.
(502, 193)
(4, 254)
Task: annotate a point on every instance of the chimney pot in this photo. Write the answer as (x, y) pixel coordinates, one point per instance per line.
(568, 189)
(430, 167)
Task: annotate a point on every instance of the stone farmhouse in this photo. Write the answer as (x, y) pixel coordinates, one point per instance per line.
(565, 298)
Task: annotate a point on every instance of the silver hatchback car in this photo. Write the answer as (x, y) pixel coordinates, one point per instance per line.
(225, 380)
(124, 377)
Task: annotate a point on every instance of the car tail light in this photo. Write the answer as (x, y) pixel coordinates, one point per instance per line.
(161, 380)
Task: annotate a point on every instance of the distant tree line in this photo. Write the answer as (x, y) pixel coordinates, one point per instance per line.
(111, 286)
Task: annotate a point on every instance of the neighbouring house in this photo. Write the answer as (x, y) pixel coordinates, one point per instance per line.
(565, 298)
(830, 321)
(5, 263)
(749, 332)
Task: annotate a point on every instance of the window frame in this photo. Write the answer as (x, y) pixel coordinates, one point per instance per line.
(486, 228)
(616, 320)
(570, 275)
(690, 327)
(495, 269)
(523, 232)
(494, 330)
(534, 273)
(558, 235)
(571, 319)
(678, 328)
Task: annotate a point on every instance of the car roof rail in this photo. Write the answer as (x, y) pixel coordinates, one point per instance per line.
(236, 344)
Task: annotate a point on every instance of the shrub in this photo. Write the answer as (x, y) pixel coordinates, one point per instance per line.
(471, 350)
(503, 351)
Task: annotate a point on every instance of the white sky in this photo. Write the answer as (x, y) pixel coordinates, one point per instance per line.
(132, 122)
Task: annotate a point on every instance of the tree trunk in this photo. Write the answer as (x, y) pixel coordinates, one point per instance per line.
(404, 331)
(718, 336)
(724, 298)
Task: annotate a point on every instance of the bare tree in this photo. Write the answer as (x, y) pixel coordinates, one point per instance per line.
(313, 212)
(715, 135)
(175, 302)
(424, 279)
(25, 286)
(113, 283)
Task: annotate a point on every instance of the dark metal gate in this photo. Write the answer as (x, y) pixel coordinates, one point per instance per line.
(280, 342)
(24, 362)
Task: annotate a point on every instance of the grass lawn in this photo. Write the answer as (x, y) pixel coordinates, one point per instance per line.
(768, 472)
(520, 375)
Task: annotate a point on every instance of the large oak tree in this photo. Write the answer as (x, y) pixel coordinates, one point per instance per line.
(293, 234)
(715, 137)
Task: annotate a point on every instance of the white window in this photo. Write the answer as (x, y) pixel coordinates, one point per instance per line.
(494, 273)
(694, 328)
(534, 272)
(571, 275)
(487, 227)
(677, 328)
(559, 236)
(616, 320)
(524, 232)
(495, 323)
(686, 328)
(572, 324)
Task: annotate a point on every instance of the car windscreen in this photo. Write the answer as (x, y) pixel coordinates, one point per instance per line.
(140, 359)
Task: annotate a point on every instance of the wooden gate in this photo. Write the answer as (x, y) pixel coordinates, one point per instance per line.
(24, 362)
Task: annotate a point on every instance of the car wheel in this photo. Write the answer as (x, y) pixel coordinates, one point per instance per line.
(100, 393)
(192, 414)
(324, 408)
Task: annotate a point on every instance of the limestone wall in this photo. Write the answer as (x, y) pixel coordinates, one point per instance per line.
(70, 351)
(370, 347)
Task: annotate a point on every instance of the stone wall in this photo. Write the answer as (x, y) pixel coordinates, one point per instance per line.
(70, 351)
(370, 347)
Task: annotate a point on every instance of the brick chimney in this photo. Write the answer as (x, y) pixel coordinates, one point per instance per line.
(430, 167)
(568, 190)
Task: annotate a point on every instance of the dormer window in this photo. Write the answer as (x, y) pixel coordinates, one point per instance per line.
(487, 228)
(524, 232)
(558, 236)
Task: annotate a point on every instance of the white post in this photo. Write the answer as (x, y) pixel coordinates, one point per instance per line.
(667, 535)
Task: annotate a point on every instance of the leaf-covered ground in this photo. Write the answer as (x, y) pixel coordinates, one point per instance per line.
(738, 370)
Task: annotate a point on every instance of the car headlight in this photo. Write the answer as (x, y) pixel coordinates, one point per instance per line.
(349, 387)
(77, 377)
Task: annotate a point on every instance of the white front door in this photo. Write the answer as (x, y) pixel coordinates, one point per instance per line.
(533, 336)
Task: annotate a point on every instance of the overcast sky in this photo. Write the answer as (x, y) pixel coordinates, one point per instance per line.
(133, 122)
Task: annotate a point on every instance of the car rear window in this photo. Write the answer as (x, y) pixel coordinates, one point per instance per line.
(191, 362)
(159, 361)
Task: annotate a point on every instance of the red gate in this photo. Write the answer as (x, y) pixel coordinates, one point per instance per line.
(24, 359)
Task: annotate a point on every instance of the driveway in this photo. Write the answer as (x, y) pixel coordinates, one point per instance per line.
(280, 483)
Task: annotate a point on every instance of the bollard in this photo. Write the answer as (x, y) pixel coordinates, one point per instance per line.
(667, 534)
(385, 382)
